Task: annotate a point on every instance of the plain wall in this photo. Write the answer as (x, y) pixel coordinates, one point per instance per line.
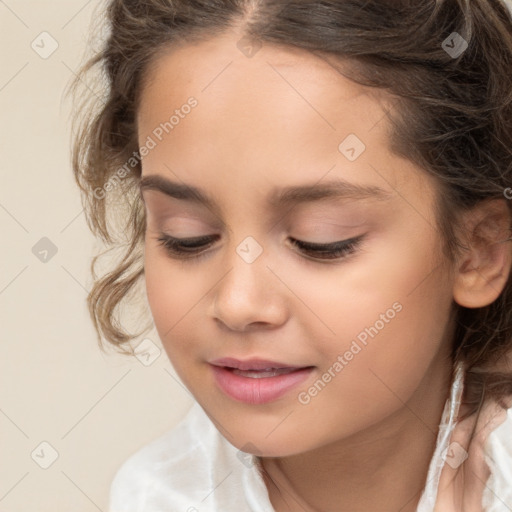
(56, 386)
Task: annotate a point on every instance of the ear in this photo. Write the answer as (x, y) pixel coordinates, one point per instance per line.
(483, 268)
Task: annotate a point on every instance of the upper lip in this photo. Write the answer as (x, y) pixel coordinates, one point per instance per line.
(250, 364)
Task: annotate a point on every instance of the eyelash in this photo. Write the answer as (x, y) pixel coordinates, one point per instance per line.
(187, 248)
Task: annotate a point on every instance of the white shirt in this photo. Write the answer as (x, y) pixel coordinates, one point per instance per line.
(193, 468)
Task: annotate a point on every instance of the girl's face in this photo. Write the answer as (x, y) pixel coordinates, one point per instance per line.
(285, 148)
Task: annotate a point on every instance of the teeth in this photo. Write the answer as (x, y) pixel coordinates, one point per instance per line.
(260, 374)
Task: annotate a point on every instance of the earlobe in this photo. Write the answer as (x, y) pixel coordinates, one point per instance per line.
(484, 267)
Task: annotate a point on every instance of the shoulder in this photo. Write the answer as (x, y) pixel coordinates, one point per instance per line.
(164, 472)
(190, 468)
(498, 449)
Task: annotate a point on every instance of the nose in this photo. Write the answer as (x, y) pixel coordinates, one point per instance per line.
(249, 296)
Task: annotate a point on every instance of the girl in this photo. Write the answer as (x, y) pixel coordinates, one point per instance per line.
(317, 195)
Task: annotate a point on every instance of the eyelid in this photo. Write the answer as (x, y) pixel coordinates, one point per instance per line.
(193, 240)
(196, 240)
(325, 245)
(193, 249)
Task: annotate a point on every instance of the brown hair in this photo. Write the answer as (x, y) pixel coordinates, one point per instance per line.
(454, 120)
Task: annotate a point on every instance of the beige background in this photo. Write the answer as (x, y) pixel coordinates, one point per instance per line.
(55, 384)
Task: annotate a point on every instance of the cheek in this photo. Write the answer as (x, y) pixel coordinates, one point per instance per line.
(396, 285)
(178, 295)
(171, 297)
(382, 372)
(390, 316)
(161, 288)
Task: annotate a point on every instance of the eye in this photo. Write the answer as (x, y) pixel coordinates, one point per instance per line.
(185, 248)
(331, 251)
(188, 248)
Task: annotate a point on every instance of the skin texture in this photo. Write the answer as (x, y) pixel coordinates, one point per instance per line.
(269, 121)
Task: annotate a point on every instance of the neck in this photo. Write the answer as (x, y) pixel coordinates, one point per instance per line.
(381, 468)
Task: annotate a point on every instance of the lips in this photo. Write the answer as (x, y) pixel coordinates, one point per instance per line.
(257, 381)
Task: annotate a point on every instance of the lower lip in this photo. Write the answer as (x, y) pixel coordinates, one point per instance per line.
(257, 390)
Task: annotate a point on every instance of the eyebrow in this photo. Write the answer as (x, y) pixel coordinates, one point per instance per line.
(279, 197)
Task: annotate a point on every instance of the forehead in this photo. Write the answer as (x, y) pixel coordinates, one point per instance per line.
(206, 59)
(219, 71)
(278, 116)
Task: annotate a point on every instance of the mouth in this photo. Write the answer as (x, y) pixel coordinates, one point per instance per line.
(257, 381)
(262, 374)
